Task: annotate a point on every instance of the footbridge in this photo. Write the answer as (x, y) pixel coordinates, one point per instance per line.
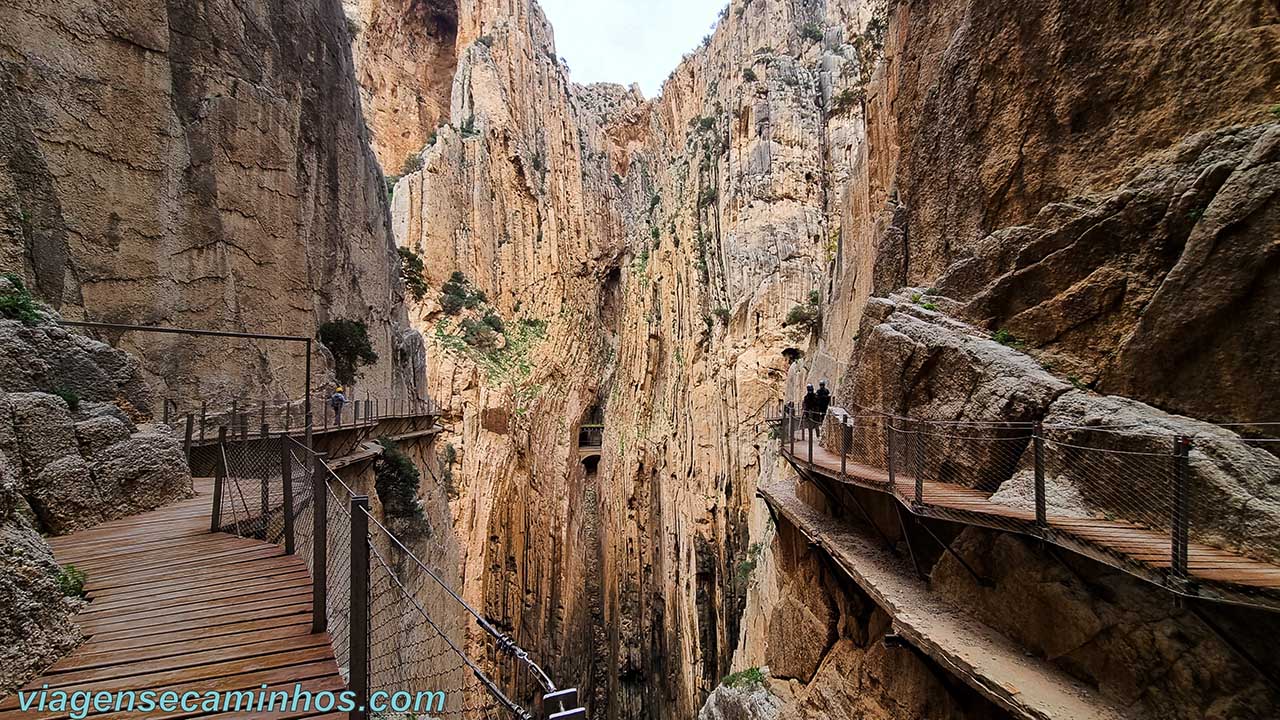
(277, 575)
(1196, 516)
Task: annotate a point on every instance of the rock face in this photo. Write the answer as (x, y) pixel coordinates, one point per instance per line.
(37, 626)
(224, 182)
(78, 462)
(67, 462)
(643, 256)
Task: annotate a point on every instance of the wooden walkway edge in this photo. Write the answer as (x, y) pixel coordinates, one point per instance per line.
(991, 664)
(175, 607)
(1214, 573)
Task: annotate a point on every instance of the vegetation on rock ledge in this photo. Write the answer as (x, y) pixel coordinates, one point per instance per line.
(411, 269)
(396, 481)
(348, 342)
(17, 303)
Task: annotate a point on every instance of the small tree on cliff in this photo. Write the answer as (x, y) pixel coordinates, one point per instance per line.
(348, 341)
(411, 269)
(396, 480)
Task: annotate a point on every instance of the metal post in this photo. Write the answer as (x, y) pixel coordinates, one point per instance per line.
(186, 437)
(262, 414)
(1038, 445)
(845, 432)
(889, 450)
(286, 481)
(235, 415)
(306, 409)
(203, 408)
(1181, 504)
(355, 412)
(219, 477)
(288, 415)
(791, 431)
(166, 411)
(810, 439)
(359, 625)
(919, 455)
(265, 431)
(319, 544)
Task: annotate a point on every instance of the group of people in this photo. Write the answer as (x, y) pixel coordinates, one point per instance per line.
(814, 406)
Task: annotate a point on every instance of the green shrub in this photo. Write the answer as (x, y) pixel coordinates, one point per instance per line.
(412, 164)
(495, 322)
(411, 269)
(752, 677)
(457, 294)
(70, 397)
(485, 40)
(723, 313)
(70, 581)
(847, 100)
(707, 197)
(811, 32)
(1004, 337)
(17, 304)
(929, 305)
(749, 75)
(478, 334)
(807, 316)
(348, 341)
(1275, 110)
(396, 481)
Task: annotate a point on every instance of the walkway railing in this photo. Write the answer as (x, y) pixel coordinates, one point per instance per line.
(198, 422)
(1198, 514)
(395, 623)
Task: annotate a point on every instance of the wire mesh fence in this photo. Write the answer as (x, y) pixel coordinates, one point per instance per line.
(395, 624)
(1185, 509)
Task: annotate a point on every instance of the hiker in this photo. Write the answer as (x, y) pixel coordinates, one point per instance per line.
(824, 400)
(810, 407)
(336, 401)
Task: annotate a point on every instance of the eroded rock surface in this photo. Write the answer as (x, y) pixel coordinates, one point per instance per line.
(37, 626)
(203, 166)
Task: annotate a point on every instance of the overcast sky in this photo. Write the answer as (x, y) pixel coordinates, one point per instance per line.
(626, 41)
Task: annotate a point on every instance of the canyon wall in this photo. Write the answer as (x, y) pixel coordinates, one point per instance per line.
(685, 263)
(198, 165)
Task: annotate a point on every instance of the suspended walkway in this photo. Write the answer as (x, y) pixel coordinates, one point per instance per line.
(1198, 524)
(277, 574)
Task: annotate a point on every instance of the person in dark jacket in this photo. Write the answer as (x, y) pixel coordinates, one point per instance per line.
(810, 407)
(824, 400)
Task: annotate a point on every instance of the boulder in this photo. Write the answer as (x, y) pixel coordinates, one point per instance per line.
(918, 363)
(100, 432)
(143, 472)
(36, 627)
(1119, 453)
(741, 703)
(66, 497)
(43, 427)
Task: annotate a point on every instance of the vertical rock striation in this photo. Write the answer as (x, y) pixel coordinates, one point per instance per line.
(201, 165)
(1059, 171)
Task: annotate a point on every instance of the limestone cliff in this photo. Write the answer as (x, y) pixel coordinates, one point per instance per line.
(666, 261)
(202, 165)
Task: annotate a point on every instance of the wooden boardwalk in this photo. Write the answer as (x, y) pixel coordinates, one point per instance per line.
(1139, 550)
(175, 607)
(994, 666)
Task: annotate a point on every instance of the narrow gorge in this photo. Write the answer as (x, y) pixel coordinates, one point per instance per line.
(1033, 249)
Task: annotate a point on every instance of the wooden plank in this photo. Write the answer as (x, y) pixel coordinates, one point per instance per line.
(242, 627)
(145, 616)
(251, 586)
(81, 660)
(138, 666)
(240, 616)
